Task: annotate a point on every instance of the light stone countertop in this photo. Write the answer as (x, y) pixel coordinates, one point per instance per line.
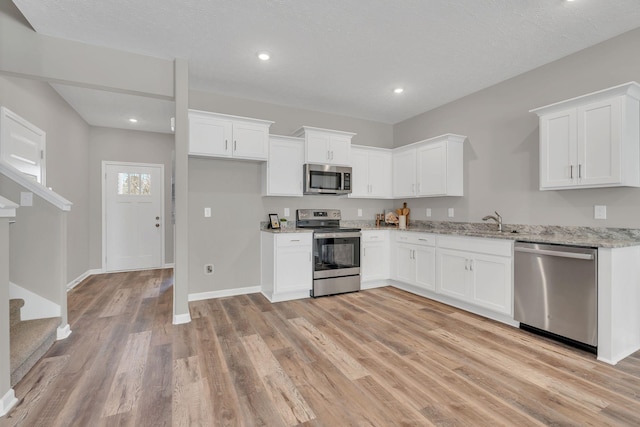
(594, 237)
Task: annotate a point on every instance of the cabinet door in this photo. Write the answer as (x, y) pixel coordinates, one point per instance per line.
(294, 270)
(317, 148)
(360, 173)
(250, 141)
(453, 269)
(404, 173)
(405, 263)
(339, 150)
(492, 282)
(380, 174)
(284, 168)
(432, 169)
(375, 262)
(599, 143)
(558, 149)
(209, 136)
(425, 267)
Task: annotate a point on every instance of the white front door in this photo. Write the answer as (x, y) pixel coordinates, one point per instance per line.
(133, 236)
(22, 145)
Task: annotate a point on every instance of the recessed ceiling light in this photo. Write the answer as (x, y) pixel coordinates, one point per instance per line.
(132, 120)
(398, 90)
(264, 56)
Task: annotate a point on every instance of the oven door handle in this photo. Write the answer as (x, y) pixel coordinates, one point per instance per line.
(345, 235)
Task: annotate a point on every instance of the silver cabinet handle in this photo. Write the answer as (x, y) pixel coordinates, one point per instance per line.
(235, 143)
(328, 158)
(374, 237)
(470, 265)
(419, 187)
(579, 170)
(294, 240)
(364, 251)
(571, 171)
(309, 256)
(424, 240)
(413, 188)
(226, 145)
(466, 264)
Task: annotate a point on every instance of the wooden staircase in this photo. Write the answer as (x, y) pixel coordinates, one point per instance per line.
(30, 340)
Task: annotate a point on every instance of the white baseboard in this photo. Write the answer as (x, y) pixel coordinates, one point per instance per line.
(225, 293)
(169, 265)
(375, 284)
(35, 306)
(83, 276)
(63, 332)
(179, 319)
(7, 402)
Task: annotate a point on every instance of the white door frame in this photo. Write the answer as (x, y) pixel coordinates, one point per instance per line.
(104, 206)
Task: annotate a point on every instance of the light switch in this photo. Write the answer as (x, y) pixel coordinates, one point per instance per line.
(26, 198)
(359, 212)
(287, 212)
(207, 212)
(428, 212)
(451, 213)
(600, 212)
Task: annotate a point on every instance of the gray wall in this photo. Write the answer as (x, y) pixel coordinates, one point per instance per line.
(230, 238)
(67, 157)
(126, 146)
(501, 154)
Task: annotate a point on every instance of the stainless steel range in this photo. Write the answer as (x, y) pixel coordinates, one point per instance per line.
(336, 251)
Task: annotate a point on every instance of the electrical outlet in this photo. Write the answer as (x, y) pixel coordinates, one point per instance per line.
(600, 212)
(207, 212)
(451, 213)
(208, 269)
(428, 212)
(359, 212)
(287, 212)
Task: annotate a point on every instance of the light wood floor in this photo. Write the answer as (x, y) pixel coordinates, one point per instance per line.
(379, 357)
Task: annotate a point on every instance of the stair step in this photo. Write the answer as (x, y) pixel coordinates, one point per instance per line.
(14, 310)
(30, 340)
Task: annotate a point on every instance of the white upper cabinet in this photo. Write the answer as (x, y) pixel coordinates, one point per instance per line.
(326, 146)
(430, 168)
(283, 171)
(221, 135)
(592, 140)
(371, 174)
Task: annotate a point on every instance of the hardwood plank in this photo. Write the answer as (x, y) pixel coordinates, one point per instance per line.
(127, 385)
(286, 398)
(376, 357)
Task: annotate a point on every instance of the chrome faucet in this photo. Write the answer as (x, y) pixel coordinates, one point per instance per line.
(497, 219)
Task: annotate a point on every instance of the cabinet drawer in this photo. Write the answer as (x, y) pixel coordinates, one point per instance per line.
(374, 235)
(293, 239)
(423, 239)
(481, 245)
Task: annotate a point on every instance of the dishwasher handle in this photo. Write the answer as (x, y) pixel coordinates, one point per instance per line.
(555, 253)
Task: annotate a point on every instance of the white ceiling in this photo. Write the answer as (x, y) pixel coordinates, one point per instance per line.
(343, 56)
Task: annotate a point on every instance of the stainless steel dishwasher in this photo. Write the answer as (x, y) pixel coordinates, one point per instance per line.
(556, 290)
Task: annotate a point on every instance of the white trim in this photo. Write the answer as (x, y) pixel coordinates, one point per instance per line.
(471, 308)
(63, 332)
(83, 276)
(5, 115)
(105, 163)
(7, 402)
(224, 293)
(7, 208)
(40, 190)
(35, 306)
(169, 265)
(179, 319)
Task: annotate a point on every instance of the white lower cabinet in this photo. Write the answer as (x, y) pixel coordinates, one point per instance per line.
(478, 271)
(374, 262)
(287, 269)
(415, 256)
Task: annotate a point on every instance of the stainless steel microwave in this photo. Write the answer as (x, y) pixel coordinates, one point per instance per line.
(327, 179)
